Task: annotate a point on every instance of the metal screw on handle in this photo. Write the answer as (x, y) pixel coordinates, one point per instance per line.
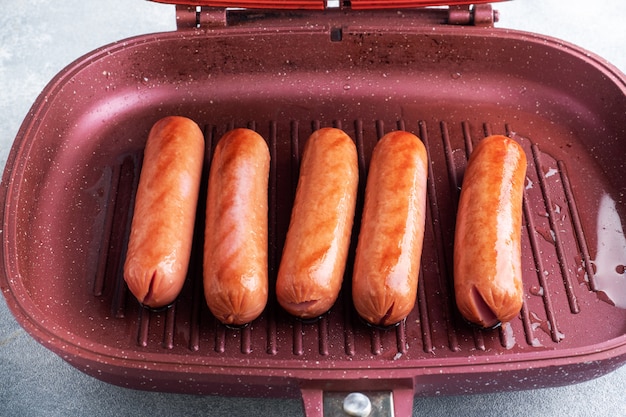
(357, 404)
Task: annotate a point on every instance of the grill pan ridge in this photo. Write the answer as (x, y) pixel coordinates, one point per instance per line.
(73, 171)
(575, 274)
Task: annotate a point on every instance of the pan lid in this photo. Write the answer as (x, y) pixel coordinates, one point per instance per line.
(323, 4)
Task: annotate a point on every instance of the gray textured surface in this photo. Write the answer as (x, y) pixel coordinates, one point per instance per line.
(40, 37)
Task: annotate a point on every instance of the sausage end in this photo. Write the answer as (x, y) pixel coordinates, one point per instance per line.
(485, 316)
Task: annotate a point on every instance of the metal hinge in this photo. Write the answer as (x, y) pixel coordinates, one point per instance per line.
(473, 15)
(215, 17)
(188, 16)
(196, 16)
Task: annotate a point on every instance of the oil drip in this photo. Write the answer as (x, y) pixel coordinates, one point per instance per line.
(610, 263)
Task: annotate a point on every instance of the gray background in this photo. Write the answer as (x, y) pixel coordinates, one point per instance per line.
(40, 37)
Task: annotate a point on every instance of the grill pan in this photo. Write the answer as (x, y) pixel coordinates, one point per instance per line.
(71, 176)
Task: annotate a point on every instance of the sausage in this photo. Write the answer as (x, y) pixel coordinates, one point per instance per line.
(487, 248)
(163, 220)
(235, 261)
(316, 247)
(389, 249)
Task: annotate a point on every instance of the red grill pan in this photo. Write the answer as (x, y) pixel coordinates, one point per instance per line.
(70, 180)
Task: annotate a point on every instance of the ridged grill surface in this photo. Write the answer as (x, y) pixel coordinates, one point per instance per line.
(552, 232)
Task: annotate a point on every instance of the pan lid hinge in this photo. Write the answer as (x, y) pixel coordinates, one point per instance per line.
(472, 15)
(197, 16)
(190, 16)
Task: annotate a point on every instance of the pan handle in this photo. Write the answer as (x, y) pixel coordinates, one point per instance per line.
(398, 402)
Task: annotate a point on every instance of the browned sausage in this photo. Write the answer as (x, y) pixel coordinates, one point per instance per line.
(316, 247)
(161, 233)
(487, 248)
(236, 235)
(389, 250)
